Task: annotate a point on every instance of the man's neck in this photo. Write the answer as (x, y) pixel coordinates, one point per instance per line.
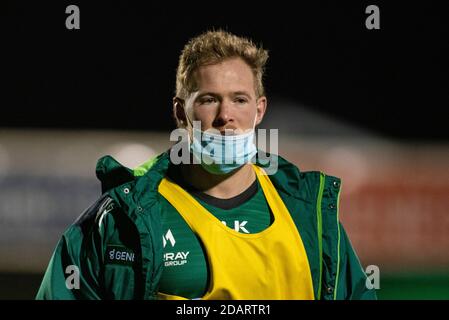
(219, 186)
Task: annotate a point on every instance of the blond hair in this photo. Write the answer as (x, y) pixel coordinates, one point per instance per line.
(213, 47)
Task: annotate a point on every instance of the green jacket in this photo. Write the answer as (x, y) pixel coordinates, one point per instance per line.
(116, 244)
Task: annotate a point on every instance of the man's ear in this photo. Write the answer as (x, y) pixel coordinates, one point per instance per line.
(261, 107)
(179, 113)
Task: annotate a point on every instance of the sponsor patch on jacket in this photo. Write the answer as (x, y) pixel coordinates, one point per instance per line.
(119, 255)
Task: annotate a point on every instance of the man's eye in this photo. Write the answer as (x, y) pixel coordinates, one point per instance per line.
(241, 100)
(207, 100)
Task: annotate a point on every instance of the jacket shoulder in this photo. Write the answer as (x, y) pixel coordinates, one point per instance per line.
(303, 185)
(94, 212)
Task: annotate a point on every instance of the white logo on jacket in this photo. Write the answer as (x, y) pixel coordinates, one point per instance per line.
(168, 237)
(239, 226)
(173, 259)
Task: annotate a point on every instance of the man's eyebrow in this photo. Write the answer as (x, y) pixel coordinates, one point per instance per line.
(213, 94)
(241, 93)
(216, 95)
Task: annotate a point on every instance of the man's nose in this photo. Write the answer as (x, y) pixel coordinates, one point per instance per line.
(224, 114)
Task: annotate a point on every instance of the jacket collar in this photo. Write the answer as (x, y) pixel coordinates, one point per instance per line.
(287, 178)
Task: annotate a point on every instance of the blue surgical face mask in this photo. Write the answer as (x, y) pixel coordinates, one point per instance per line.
(221, 154)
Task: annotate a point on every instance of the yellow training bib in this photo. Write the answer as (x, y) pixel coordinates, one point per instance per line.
(268, 265)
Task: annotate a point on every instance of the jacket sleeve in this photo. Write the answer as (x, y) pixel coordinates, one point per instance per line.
(75, 267)
(64, 279)
(352, 278)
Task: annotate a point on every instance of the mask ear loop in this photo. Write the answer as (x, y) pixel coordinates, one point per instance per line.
(190, 132)
(187, 117)
(254, 131)
(255, 120)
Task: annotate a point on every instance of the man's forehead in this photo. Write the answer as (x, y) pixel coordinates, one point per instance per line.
(228, 67)
(229, 76)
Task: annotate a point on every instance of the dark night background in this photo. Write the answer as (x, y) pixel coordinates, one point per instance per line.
(327, 76)
(118, 70)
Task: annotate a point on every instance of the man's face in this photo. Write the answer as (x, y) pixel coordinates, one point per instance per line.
(226, 97)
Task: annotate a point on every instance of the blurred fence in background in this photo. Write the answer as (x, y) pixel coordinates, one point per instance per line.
(394, 201)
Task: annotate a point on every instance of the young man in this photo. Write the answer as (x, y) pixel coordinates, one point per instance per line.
(216, 227)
